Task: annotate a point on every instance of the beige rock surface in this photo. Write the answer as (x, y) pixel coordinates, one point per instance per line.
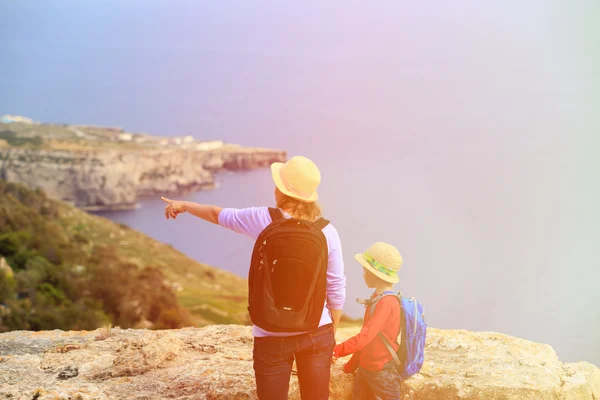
(215, 362)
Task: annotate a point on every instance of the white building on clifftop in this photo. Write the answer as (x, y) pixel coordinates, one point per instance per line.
(9, 119)
(209, 145)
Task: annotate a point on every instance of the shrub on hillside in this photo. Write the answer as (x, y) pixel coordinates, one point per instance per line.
(131, 295)
(50, 289)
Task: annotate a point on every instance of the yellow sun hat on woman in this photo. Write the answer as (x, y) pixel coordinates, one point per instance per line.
(298, 177)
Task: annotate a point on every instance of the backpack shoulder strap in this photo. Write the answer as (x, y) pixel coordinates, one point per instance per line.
(375, 301)
(275, 214)
(386, 342)
(321, 223)
(390, 348)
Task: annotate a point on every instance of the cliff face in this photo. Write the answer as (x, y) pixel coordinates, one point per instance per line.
(113, 179)
(215, 362)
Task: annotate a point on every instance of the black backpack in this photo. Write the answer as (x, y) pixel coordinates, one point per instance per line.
(288, 275)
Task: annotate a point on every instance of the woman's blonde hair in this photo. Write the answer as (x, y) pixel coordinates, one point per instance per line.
(299, 209)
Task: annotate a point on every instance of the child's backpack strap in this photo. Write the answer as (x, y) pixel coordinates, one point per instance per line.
(374, 301)
(387, 343)
(388, 346)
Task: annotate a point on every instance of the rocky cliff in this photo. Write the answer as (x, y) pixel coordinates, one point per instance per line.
(112, 179)
(215, 362)
(97, 168)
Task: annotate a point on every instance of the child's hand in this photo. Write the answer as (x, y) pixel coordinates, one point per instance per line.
(346, 368)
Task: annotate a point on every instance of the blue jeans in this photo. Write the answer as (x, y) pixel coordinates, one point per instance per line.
(274, 356)
(377, 385)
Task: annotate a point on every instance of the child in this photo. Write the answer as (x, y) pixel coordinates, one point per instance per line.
(376, 372)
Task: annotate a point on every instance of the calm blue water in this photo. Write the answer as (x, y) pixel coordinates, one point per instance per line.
(464, 133)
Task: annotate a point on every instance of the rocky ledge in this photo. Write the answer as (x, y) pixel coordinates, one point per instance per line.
(114, 179)
(215, 362)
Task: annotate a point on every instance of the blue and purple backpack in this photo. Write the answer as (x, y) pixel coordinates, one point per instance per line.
(411, 353)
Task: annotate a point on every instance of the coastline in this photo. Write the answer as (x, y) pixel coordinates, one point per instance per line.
(108, 169)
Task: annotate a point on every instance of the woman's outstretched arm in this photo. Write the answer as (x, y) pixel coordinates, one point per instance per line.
(204, 211)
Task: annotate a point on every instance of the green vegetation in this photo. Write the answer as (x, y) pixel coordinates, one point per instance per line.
(17, 141)
(68, 269)
(63, 137)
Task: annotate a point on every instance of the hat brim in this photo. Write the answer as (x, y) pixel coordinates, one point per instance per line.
(276, 173)
(391, 279)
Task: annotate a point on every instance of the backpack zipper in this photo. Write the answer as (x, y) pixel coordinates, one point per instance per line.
(261, 254)
(273, 268)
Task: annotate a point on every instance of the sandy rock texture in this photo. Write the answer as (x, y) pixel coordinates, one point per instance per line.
(215, 362)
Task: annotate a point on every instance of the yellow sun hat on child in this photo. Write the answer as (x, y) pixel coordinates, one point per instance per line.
(383, 260)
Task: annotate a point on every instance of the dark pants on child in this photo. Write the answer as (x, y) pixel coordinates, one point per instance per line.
(377, 385)
(274, 356)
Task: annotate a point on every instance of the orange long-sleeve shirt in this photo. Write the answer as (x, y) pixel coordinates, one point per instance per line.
(367, 348)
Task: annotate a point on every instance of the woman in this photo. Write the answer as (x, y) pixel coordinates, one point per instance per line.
(296, 184)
